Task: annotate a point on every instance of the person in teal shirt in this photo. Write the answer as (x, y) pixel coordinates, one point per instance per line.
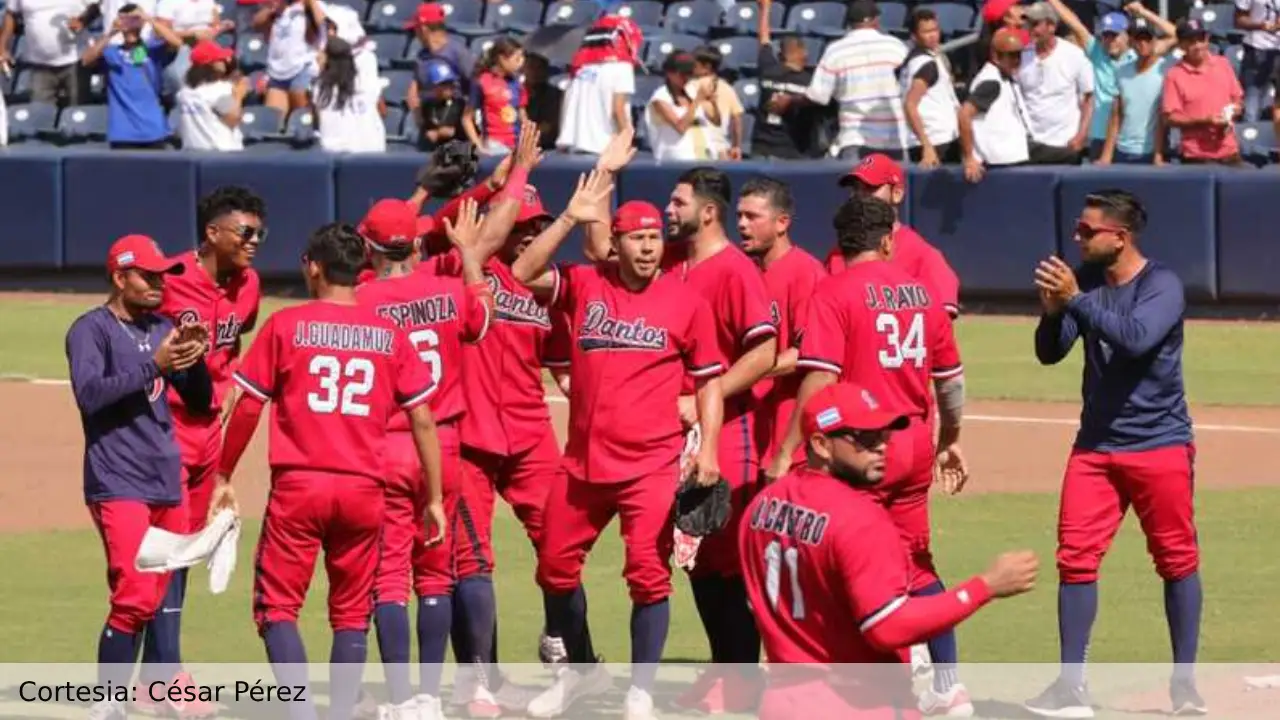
(1135, 129)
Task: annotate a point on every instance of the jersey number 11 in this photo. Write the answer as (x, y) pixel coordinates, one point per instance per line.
(775, 556)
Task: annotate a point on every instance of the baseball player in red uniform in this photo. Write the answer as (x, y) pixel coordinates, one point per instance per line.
(337, 372)
(828, 573)
(880, 176)
(638, 332)
(219, 290)
(439, 314)
(877, 326)
(731, 283)
(765, 209)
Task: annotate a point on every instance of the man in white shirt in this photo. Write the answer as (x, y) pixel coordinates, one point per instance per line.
(597, 102)
(859, 72)
(1260, 19)
(993, 120)
(49, 52)
(1056, 79)
(929, 95)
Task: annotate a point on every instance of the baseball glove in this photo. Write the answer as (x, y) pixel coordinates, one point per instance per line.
(451, 169)
(701, 511)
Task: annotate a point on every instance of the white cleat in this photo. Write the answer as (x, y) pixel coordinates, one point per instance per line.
(952, 703)
(921, 663)
(465, 681)
(108, 710)
(429, 707)
(569, 687)
(407, 710)
(639, 705)
(514, 697)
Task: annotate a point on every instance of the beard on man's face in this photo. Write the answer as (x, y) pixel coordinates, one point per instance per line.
(850, 474)
(681, 229)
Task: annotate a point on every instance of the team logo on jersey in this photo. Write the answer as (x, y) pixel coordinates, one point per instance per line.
(896, 297)
(227, 333)
(423, 311)
(156, 390)
(519, 309)
(190, 315)
(775, 313)
(600, 331)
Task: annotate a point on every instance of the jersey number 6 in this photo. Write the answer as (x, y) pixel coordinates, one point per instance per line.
(902, 348)
(425, 342)
(343, 397)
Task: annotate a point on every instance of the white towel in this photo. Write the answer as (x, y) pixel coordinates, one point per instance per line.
(686, 546)
(164, 551)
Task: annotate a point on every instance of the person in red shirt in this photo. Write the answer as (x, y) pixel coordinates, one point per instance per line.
(829, 575)
(702, 255)
(880, 176)
(638, 333)
(501, 98)
(765, 209)
(220, 290)
(877, 326)
(337, 372)
(439, 314)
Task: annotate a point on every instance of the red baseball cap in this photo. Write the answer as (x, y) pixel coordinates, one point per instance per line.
(390, 223)
(531, 208)
(993, 10)
(208, 52)
(636, 215)
(876, 170)
(141, 252)
(427, 14)
(845, 406)
(426, 225)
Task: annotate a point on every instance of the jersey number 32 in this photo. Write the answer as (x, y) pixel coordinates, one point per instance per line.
(343, 386)
(902, 347)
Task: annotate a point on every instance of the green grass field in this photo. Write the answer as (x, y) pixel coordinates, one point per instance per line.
(53, 615)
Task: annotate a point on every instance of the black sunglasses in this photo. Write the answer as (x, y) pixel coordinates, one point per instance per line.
(866, 439)
(247, 232)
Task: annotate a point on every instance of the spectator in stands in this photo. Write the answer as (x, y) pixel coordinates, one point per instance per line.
(726, 137)
(994, 128)
(499, 97)
(347, 102)
(784, 128)
(929, 95)
(859, 72)
(296, 32)
(1057, 82)
(545, 99)
(676, 118)
(439, 112)
(49, 50)
(996, 14)
(597, 103)
(1261, 61)
(1203, 98)
(193, 21)
(1109, 55)
(107, 10)
(1135, 130)
(428, 25)
(212, 103)
(135, 117)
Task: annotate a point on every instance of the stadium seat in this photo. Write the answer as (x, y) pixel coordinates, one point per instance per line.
(742, 19)
(522, 16)
(257, 87)
(749, 93)
(893, 18)
(953, 18)
(389, 47)
(693, 17)
(645, 13)
(393, 121)
(30, 123)
(409, 129)
(395, 86)
(813, 48)
(410, 57)
(97, 89)
(646, 86)
(740, 53)
(1218, 19)
(300, 128)
(822, 19)
(18, 89)
(660, 47)
(1257, 142)
(571, 12)
(748, 127)
(391, 15)
(251, 51)
(1234, 55)
(463, 17)
(262, 123)
(481, 45)
(83, 123)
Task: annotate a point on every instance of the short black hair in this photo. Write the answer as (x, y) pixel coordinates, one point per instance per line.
(777, 192)
(339, 251)
(708, 55)
(225, 200)
(709, 185)
(920, 15)
(1119, 206)
(861, 223)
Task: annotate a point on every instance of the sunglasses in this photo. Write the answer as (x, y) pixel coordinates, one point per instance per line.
(247, 232)
(865, 439)
(1087, 231)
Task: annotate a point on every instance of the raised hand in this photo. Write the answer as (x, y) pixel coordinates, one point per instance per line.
(590, 202)
(528, 153)
(618, 153)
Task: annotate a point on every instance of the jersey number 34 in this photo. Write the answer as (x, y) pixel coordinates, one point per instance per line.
(903, 347)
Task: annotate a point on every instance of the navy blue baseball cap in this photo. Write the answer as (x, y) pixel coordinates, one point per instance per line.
(440, 72)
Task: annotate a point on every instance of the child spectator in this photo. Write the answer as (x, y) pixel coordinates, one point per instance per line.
(498, 95)
(212, 102)
(439, 113)
(295, 37)
(135, 119)
(347, 102)
(676, 118)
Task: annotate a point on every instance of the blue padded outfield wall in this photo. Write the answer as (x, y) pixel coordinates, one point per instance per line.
(1220, 229)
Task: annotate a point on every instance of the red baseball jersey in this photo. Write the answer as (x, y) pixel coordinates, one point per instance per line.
(228, 311)
(920, 260)
(502, 374)
(823, 563)
(629, 359)
(790, 282)
(439, 314)
(877, 326)
(335, 375)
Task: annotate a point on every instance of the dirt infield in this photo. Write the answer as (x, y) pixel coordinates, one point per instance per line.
(1012, 447)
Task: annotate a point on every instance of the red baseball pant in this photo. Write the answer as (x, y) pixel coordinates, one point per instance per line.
(908, 475)
(1097, 491)
(135, 596)
(308, 511)
(578, 511)
(740, 466)
(523, 480)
